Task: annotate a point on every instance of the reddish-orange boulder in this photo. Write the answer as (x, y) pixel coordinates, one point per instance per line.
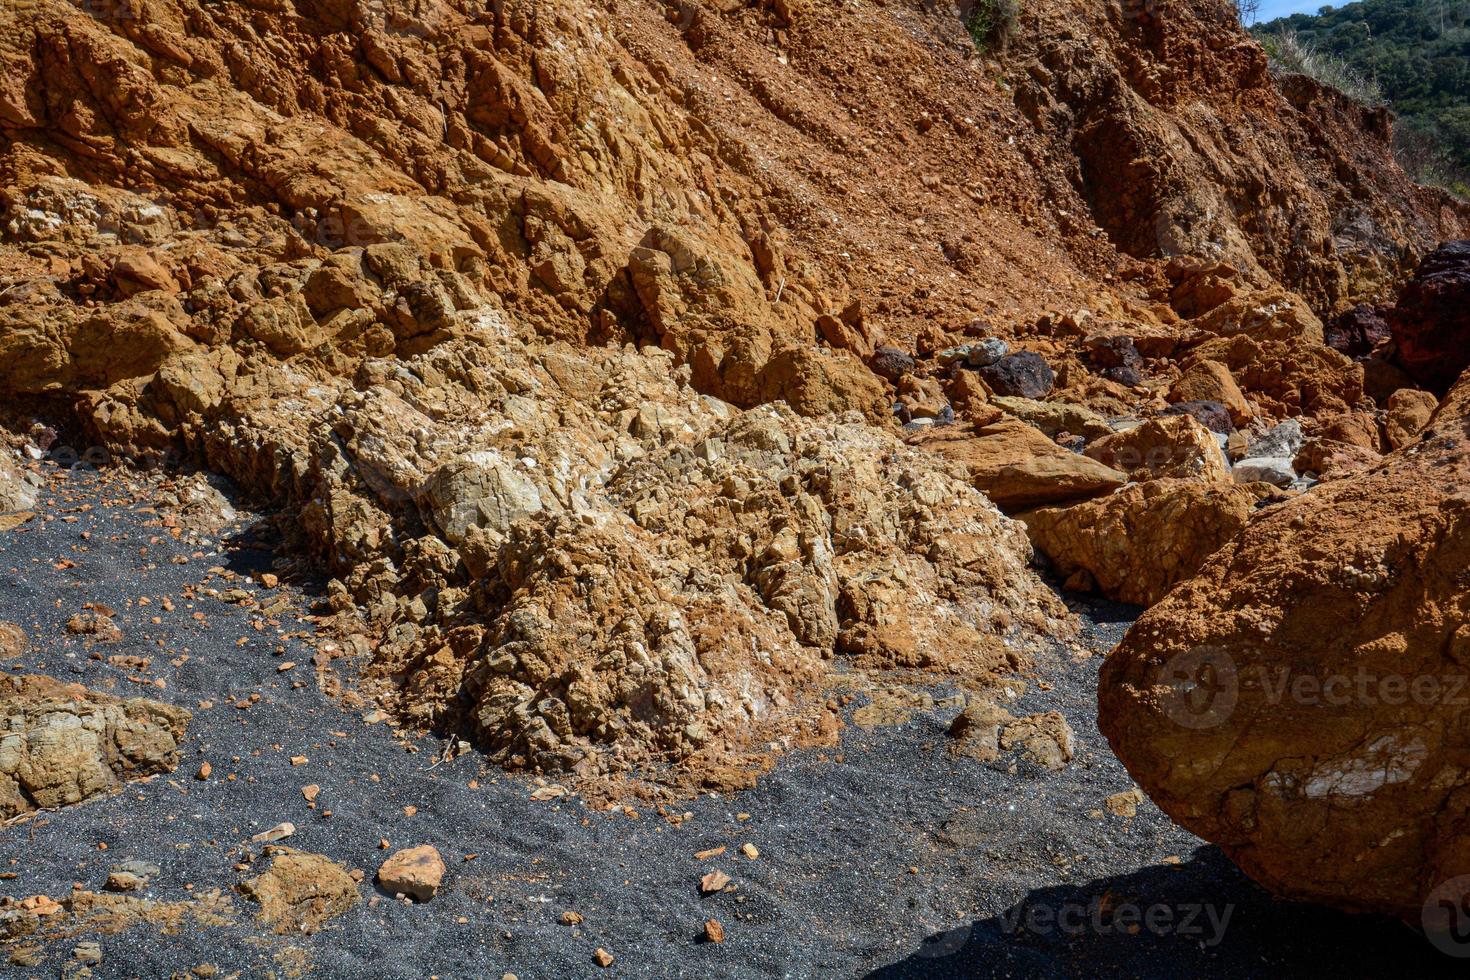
(1304, 702)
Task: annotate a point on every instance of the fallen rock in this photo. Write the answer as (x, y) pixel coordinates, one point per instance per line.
(1211, 381)
(1021, 375)
(891, 364)
(985, 731)
(1300, 702)
(1173, 447)
(1055, 418)
(94, 626)
(1284, 440)
(279, 832)
(414, 871)
(298, 892)
(1140, 542)
(1116, 358)
(61, 743)
(1409, 411)
(1431, 321)
(18, 488)
(1018, 467)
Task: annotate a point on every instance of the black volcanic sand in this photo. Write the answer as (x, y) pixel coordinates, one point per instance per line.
(891, 857)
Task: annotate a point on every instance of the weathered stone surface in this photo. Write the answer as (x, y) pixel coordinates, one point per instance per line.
(1296, 701)
(1330, 459)
(1017, 467)
(417, 872)
(1274, 348)
(1409, 411)
(1171, 447)
(299, 892)
(1137, 544)
(62, 744)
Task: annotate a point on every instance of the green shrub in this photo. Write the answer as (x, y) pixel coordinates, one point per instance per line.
(992, 22)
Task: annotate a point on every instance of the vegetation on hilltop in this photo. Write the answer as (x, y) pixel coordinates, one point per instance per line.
(1412, 54)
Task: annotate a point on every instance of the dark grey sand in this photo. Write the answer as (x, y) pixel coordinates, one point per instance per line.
(899, 860)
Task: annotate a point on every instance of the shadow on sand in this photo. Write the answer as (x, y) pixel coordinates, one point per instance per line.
(1200, 918)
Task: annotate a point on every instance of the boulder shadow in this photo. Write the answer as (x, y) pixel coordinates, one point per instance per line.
(1200, 918)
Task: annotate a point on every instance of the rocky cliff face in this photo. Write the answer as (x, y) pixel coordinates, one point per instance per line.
(568, 330)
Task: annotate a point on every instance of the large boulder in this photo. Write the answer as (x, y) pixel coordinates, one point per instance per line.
(1302, 702)
(62, 744)
(1431, 323)
(1137, 544)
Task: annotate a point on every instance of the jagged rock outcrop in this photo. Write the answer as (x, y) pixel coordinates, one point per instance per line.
(1301, 702)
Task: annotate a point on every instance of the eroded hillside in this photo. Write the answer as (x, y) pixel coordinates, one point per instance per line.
(570, 334)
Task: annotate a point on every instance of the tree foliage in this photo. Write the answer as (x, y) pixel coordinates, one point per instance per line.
(1418, 52)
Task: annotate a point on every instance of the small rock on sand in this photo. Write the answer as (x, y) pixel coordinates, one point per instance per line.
(415, 871)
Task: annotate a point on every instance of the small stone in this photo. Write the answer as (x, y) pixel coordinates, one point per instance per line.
(570, 918)
(205, 771)
(986, 352)
(88, 953)
(122, 881)
(415, 871)
(713, 931)
(311, 792)
(1125, 804)
(750, 851)
(602, 957)
(706, 855)
(281, 668)
(299, 760)
(279, 832)
(713, 882)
